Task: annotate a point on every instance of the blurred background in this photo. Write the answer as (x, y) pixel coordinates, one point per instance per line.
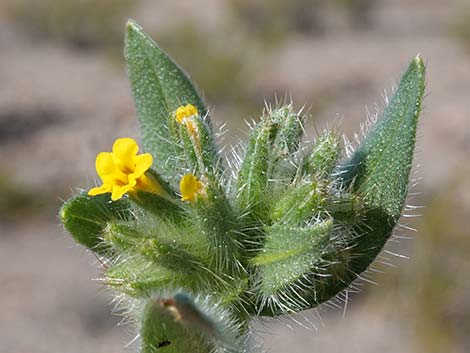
(64, 96)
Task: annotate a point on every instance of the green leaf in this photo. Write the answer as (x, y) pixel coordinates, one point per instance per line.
(290, 132)
(217, 221)
(121, 236)
(377, 174)
(323, 156)
(253, 175)
(159, 87)
(379, 169)
(164, 208)
(299, 203)
(188, 264)
(179, 324)
(137, 276)
(266, 166)
(199, 147)
(86, 217)
(290, 253)
(350, 253)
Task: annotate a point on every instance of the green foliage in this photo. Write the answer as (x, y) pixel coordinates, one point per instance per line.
(283, 228)
(159, 87)
(181, 323)
(86, 218)
(322, 159)
(289, 253)
(389, 147)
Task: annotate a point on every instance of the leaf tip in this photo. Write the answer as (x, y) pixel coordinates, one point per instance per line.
(131, 25)
(63, 213)
(418, 60)
(418, 64)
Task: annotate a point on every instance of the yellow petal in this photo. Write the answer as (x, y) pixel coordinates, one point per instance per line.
(184, 112)
(131, 181)
(191, 110)
(124, 152)
(147, 184)
(142, 163)
(125, 148)
(107, 169)
(191, 126)
(104, 164)
(190, 187)
(103, 189)
(119, 191)
(123, 170)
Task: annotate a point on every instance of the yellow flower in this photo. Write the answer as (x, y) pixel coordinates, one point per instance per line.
(123, 171)
(184, 112)
(190, 187)
(184, 115)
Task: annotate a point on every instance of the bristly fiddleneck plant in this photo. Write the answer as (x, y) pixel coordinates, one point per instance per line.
(197, 243)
